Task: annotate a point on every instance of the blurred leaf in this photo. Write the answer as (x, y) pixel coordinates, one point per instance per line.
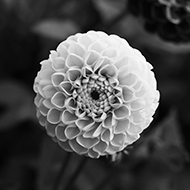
(18, 103)
(132, 29)
(165, 138)
(109, 9)
(56, 29)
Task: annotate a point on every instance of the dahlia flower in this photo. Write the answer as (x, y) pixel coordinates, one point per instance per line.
(95, 94)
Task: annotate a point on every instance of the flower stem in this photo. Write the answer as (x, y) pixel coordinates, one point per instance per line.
(76, 173)
(61, 172)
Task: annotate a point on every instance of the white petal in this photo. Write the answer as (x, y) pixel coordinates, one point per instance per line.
(124, 61)
(100, 147)
(53, 116)
(50, 129)
(77, 49)
(118, 140)
(110, 52)
(107, 136)
(91, 57)
(60, 132)
(121, 113)
(93, 154)
(58, 100)
(97, 46)
(122, 126)
(87, 142)
(85, 124)
(72, 131)
(47, 103)
(37, 100)
(112, 149)
(49, 91)
(70, 103)
(74, 61)
(68, 118)
(108, 71)
(128, 94)
(126, 78)
(109, 122)
(77, 148)
(131, 138)
(43, 110)
(138, 117)
(73, 74)
(90, 132)
(46, 74)
(137, 104)
(97, 131)
(59, 64)
(135, 128)
(57, 78)
(62, 50)
(65, 145)
(66, 87)
(85, 40)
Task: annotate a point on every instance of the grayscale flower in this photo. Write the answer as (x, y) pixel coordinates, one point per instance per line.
(95, 94)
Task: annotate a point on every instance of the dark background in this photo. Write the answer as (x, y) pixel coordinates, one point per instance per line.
(29, 159)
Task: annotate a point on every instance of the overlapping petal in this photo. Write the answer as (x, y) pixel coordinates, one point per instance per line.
(95, 94)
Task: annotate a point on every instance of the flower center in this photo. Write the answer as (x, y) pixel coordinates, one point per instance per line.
(95, 95)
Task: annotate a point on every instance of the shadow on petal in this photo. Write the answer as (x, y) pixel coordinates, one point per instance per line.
(100, 147)
(65, 146)
(77, 148)
(93, 154)
(72, 131)
(108, 71)
(50, 129)
(60, 132)
(73, 74)
(87, 142)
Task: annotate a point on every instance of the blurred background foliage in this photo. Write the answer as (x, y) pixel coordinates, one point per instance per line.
(29, 159)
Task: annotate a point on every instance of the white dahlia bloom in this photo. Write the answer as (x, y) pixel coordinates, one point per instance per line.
(95, 94)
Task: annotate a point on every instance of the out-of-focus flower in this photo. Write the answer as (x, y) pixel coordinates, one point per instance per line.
(95, 94)
(168, 18)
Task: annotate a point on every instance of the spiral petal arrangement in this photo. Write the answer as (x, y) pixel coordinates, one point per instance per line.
(95, 94)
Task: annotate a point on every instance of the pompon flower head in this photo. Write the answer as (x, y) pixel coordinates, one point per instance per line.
(95, 94)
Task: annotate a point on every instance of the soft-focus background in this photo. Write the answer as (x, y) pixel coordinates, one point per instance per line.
(29, 159)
